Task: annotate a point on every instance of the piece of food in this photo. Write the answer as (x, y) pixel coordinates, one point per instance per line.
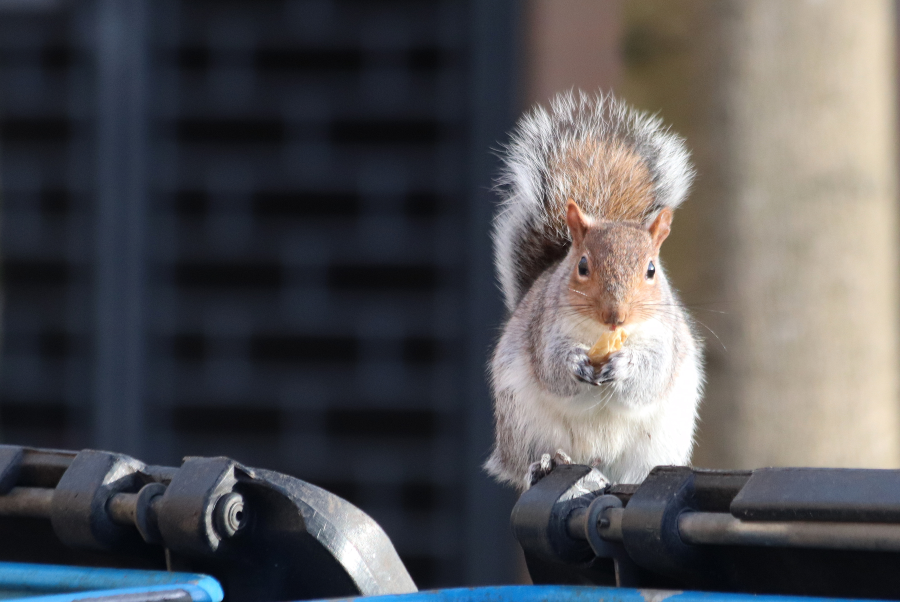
(608, 343)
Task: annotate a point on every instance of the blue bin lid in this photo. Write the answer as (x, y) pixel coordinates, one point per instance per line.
(554, 593)
(51, 583)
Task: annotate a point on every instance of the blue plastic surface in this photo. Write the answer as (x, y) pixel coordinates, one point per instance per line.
(50, 583)
(553, 593)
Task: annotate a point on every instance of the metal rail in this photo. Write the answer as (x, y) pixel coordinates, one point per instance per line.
(722, 529)
(707, 528)
(30, 502)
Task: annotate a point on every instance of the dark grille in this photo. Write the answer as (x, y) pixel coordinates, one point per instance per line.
(295, 275)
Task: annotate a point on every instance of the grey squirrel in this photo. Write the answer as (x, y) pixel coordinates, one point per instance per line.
(587, 194)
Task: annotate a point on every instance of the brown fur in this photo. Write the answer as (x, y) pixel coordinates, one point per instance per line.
(607, 179)
(616, 285)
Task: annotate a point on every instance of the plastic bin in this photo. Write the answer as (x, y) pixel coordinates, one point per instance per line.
(553, 593)
(46, 583)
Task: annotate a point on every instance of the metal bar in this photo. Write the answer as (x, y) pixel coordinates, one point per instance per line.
(610, 526)
(576, 523)
(122, 508)
(30, 502)
(161, 474)
(708, 528)
(43, 467)
(719, 528)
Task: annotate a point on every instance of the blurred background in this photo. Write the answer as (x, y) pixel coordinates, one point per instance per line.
(260, 228)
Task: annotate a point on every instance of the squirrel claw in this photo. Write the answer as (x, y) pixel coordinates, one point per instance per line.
(616, 367)
(584, 369)
(540, 469)
(606, 373)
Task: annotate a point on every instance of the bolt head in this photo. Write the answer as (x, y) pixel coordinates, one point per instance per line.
(230, 515)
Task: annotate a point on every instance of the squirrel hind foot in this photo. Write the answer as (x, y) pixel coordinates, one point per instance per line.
(540, 469)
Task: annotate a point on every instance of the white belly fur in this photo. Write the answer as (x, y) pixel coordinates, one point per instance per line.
(597, 427)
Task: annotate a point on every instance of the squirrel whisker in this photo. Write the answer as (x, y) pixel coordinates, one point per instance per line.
(578, 292)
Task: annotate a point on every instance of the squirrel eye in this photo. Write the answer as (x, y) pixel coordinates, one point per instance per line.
(582, 266)
(651, 270)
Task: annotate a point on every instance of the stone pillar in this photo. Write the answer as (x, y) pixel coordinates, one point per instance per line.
(792, 228)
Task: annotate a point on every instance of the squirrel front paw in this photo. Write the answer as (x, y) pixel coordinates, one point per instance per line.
(615, 368)
(540, 469)
(582, 368)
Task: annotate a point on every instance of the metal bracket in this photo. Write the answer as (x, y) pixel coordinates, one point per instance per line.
(263, 535)
(187, 510)
(650, 522)
(78, 508)
(540, 517)
(597, 513)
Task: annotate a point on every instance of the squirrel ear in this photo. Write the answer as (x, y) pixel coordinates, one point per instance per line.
(578, 223)
(661, 227)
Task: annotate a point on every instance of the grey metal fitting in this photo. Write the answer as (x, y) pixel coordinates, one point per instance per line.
(230, 515)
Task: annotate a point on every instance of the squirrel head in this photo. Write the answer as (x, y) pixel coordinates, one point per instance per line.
(614, 267)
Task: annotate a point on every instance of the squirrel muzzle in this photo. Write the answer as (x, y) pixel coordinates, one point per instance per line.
(613, 316)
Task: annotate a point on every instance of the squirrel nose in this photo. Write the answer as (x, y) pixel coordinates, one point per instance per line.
(613, 317)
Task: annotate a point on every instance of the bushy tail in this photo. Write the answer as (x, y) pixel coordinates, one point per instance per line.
(617, 163)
